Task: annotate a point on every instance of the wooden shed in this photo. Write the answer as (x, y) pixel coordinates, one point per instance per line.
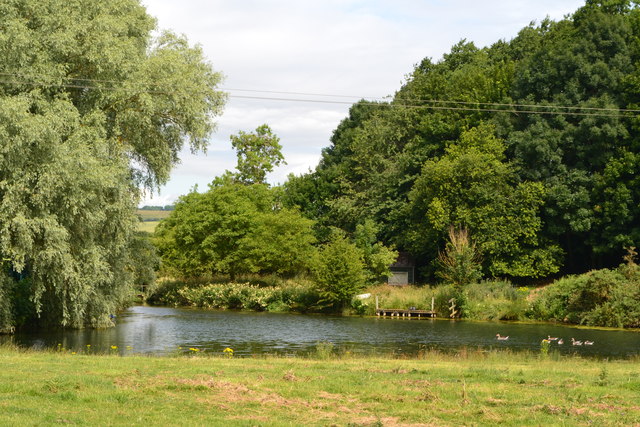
(402, 271)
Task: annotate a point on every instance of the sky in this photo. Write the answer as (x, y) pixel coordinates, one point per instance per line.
(319, 56)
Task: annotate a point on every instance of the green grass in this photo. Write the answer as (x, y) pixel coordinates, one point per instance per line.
(148, 226)
(148, 215)
(470, 388)
(150, 219)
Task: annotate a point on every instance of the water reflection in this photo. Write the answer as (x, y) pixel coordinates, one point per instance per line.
(162, 330)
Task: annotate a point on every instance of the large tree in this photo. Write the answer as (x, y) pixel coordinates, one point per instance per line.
(92, 108)
(473, 187)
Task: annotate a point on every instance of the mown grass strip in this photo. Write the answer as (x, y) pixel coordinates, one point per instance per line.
(40, 388)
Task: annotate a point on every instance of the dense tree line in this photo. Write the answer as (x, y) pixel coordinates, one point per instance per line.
(528, 144)
(92, 108)
(240, 227)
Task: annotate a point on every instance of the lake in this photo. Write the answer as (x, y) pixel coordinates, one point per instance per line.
(164, 330)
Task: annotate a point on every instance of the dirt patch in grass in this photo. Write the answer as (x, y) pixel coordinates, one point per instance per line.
(232, 397)
(387, 422)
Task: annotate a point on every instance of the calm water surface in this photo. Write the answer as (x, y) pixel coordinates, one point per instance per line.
(162, 330)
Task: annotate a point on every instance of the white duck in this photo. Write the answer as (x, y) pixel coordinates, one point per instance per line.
(501, 338)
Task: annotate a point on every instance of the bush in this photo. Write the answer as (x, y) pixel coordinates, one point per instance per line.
(493, 289)
(282, 297)
(340, 273)
(597, 298)
(487, 300)
(459, 264)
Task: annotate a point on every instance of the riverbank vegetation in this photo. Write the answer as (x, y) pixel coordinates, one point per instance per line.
(482, 388)
(484, 301)
(598, 298)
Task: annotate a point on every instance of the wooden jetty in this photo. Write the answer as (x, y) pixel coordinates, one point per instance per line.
(399, 312)
(408, 312)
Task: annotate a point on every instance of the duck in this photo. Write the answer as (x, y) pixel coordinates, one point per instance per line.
(588, 342)
(560, 341)
(550, 338)
(501, 338)
(574, 342)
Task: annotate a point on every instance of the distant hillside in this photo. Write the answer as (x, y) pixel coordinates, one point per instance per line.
(158, 208)
(149, 219)
(152, 215)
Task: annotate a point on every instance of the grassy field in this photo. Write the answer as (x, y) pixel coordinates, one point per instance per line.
(148, 226)
(150, 219)
(148, 215)
(40, 388)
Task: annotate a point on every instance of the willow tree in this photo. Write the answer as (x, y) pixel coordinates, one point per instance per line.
(94, 105)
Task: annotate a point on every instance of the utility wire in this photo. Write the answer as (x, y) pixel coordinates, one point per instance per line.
(415, 103)
(437, 107)
(380, 99)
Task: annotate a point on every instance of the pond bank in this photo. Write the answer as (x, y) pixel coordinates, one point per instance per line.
(41, 388)
(599, 298)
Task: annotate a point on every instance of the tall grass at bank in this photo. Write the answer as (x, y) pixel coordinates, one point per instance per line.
(487, 300)
(43, 388)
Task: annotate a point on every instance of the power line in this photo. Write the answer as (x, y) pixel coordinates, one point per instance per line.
(412, 103)
(437, 107)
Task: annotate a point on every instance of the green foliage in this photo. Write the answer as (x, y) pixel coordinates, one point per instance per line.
(324, 350)
(82, 126)
(550, 190)
(376, 256)
(496, 300)
(340, 272)
(283, 296)
(472, 187)
(233, 229)
(447, 296)
(258, 153)
(544, 348)
(144, 261)
(6, 305)
(486, 300)
(597, 298)
(459, 264)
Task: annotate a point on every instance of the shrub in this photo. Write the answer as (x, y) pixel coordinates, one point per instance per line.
(459, 264)
(493, 289)
(340, 273)
(287, 296)
(597, 298)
